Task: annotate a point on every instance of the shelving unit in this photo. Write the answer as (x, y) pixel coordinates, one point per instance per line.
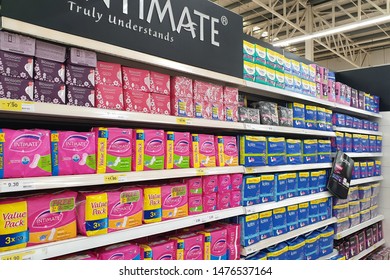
(366, 180)
(277, 239)
(329, 256)
(359, 227)
(362, 155)
(59, 248)
(284, 203)
(286, 168)
(369, 250)
(357, 131)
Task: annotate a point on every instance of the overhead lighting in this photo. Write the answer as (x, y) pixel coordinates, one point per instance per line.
(264, 34)
(339, 29)
(256, 28)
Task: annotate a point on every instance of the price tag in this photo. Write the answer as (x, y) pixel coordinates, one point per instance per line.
(18, 257)
(200, 172)
(197, 220)
(114, 178)
(16, 106)
(249, 170)
(338, 236)
(115, 115)
(183, 121)
(13, 186)
(249, 126)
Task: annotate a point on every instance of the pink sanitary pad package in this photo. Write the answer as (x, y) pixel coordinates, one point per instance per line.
(122, 251)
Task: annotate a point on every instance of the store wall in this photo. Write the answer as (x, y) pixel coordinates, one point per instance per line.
(384, 205)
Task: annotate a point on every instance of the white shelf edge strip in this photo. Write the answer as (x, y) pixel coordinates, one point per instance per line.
(331, 255)
(361, 155)
(357, 131)
(277, 239)
(359, 227)
(291, 201)
(55, 182)
(75, 112)
(287, 168)
(68, 39)
(366, 180)
(81, 243)
(369, 250)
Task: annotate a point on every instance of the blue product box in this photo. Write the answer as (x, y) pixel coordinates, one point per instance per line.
(250, 191)
(292, 217)
(276, 151)
(378, 168)
(310, 151)
(376, 104)
(321, 119)
(296, 248)
(323, 209)
(294, 151)
(356, 143)
(299, 114)
(279, 221)
(355, 123)
(314, 186)
(326, 240)
(303, 214)
(356, 170)
(250, 229)
(348, 121)
(372, 143)
(379, 144)
(370, 168)
(376, 126)
(311, 117)
(265, 221)
(292, 185)
(347, 147)
(337, 142)
(267, 188)
(329, 124)
(278, 252)
(371, 126)
(281, 187)
(360, 124)
(365, 143)
(363, 169)
(339, 120)
(322, 180)
(366, 124)
(324, 151)
(303, 183)
(253, 150)
(312, 248)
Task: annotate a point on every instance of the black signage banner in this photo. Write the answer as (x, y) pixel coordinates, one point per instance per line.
(194, 32)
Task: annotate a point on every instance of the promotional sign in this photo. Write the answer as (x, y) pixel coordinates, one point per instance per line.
(194, 32)
(340, 177)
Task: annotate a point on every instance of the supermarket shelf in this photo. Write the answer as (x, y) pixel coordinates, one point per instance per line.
(357, 131)
(277, 239)
(291, 201)
(359, 227)
(331, 255)
(250, 87)
(287, 168)
(369, 250)
(45, 110)
(55, 182)
(366, 180)
(362, 155)
(78, 244)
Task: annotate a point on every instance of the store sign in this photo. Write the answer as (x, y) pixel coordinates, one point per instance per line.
(195, 32)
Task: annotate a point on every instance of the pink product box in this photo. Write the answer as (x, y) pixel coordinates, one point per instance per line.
(161, 104)
(223, 200)
(49, 71)
(236, 181)
(80, 76)
(109, 97)
(362, 241)
(11, 42)
(16, 65)
(108, 74)
(230, 95)
(124, 251)
(348, 94)
(203, 109)
(202, 90)
(48, 51)
(160, 83)
(182, 106)
(235, 199)
(82, 57)
(79, 96)
(325, 92)
(319, 90)
(210, 184)
(209, 202)
(193, 246)
(354, 98)
(195, 204)
(136, 79)
(361, 100)
(49, 92)
(231, 112)
(217, 111)
(332, 91)
(15, 88)
(159, 250)
(181, 87)
(194, 186)
(224, 183)
(138, 101)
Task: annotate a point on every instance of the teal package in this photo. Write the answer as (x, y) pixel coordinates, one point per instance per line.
(323, 180)
(326, 240)
(310, 151)
(292, 217)
(267, 188)
(253, 150)
(278, 252)
(292, 185)
(250, 229)
(312, 247)
(276, 151)
(303, 214)
(265, 221)
(314, 187)
(303, 183)
(279, 221)
(294, 151)
(313, 211)
(296, 248)
(324, 151)
(281, 187)
(250, 192)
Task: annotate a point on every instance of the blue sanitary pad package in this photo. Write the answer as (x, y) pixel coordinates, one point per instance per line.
(250, 191)
(292, 185)
(310, 151)
(324, 151)
(298, 114)
(267, 188)
(253, 150)
(303, 183)
(265, 221)
(276, 151)
(311, 117)
(250, 229)
(292, 217)
(294, 151)
(279, 221)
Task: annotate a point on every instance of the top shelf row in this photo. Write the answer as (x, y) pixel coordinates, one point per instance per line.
(104, 48)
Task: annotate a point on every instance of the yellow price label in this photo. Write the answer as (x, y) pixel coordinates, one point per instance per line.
(16, 105)
(17, 257)
(249, 170)
(200, 172)
(114, 178)
(182, 121)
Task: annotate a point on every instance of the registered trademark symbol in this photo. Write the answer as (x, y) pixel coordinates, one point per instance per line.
(224, 20)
